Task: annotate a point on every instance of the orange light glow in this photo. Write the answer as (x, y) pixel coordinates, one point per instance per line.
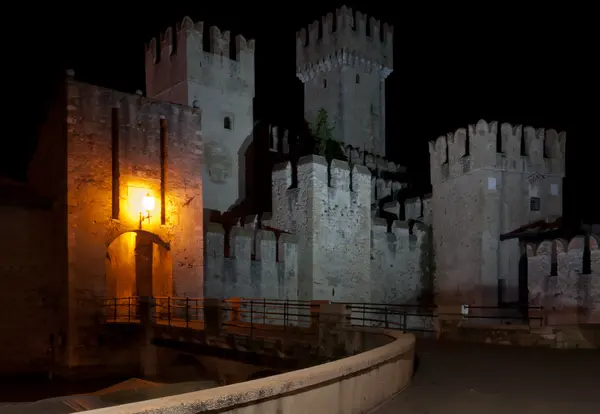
(148, 203)
(140, 200)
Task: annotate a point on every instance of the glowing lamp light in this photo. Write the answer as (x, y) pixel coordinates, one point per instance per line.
(148, 203)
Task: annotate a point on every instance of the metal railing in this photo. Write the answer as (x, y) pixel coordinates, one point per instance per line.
(506, 314)
(405, 317)
(269, 314)
(124, 309)
(257, 314)
(172, 310)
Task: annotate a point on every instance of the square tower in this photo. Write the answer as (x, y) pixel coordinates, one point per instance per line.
(343, 62)
(222, 86)
(486, 182)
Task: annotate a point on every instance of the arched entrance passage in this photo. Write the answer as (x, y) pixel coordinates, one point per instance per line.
(138, 263)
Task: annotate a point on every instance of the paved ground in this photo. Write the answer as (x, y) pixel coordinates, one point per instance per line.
(486, 379)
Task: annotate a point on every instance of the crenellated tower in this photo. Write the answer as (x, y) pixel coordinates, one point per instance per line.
(182, 67)
(328, 206)
(343, 61)
(488, 180)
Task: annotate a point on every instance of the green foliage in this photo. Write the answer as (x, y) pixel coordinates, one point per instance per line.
(322, 135)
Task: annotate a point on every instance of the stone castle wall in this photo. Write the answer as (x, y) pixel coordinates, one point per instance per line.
(484, 179)
(329, 208)
(194, 67)
(343, 62)
(344, 253)
(568, 296)
(257, 263)
(117, 148)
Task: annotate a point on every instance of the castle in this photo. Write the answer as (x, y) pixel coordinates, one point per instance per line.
(487, 179)
(335, 230)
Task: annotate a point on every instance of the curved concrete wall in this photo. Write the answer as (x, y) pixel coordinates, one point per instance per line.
(356, 384)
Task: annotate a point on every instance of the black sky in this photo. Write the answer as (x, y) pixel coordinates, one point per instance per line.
(452, 67)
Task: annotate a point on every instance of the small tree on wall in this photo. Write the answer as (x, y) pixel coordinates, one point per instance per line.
(322, 134)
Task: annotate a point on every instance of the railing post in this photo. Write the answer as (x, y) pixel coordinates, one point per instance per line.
(251, 319)
(169, 310)
(187, 312)
(285, 310)
(386, 317)
(364, 313)
(197, 310)
(264, 311)
(115, 301)
(129, 308)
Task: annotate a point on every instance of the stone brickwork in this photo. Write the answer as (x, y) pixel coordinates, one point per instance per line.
(330, 211)
(116, 148)
(485, 179)
(400, 262)
(344, 70)
(344, 254)
(259, 264)
(180, 70)
(569, 296)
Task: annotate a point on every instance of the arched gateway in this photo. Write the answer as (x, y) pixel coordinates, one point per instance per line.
(138, 263)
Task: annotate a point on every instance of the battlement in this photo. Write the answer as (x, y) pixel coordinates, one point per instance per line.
(248, 242)
(398, 230)
(314, 174)
(218, 42)
(186, 51)
(510, 148)
(575, 246)
(250, 262)
(344, 38)
(377, 164)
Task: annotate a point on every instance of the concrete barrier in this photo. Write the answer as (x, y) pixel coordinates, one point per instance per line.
(356, 384)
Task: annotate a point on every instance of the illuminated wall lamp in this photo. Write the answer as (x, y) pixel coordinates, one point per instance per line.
(148, 204)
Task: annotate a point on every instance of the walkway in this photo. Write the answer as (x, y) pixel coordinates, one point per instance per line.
(466, 378)
(255, 330)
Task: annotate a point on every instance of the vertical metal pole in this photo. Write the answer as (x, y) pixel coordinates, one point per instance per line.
(285, 308)
(116, 309)
(251, 319)
(386, 317)
(169, 310)
(197, 310)
(364, 312)
(129, 308)
(187, 312)
(264, 310)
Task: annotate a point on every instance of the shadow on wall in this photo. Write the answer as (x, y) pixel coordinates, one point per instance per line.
(257, 156)
(128, 273)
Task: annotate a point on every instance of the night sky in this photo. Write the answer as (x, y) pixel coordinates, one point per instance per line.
(452, 67)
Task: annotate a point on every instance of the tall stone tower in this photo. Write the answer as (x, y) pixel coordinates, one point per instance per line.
(343, 63)
(487, 182)
(180, 70)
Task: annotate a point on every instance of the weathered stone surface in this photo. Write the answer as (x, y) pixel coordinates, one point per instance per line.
(222, 86)
(94, 250)
(344, 72)
(479, 194)
(569, 297)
